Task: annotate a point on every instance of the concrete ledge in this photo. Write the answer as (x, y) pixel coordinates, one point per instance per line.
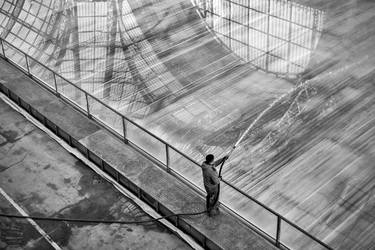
(162, 191)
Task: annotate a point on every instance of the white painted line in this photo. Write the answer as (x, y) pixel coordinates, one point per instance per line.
(145, 207)
(32, 222)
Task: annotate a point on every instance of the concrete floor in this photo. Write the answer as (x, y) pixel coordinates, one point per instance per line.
(45, 180)
(318, 168)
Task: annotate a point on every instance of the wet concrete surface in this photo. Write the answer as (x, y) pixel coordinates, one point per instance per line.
(46, 180)
(18, 233)
(222, 229)
(225, 230)
(337, 117)
(310, 157)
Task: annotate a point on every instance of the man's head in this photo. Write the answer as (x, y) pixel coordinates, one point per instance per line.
(210, 158)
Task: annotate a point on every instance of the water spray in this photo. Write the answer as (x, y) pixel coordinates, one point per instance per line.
(250, 127)
(299, 86)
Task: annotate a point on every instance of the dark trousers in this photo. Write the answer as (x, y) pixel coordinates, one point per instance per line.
(212, 198)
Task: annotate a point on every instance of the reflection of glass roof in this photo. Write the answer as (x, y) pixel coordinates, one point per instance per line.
(277, 36)
(27, 25)
(99, 46)
(95, 44)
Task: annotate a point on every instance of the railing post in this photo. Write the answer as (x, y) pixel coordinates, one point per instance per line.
(27, 65)
(177, 220)
(55, 82)
(2, 47)
(124, 130)
(167, 157)
(278, 226)
(87, 106)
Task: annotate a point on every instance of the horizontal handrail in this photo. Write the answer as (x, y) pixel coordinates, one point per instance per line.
(276, 214)
(279, 217)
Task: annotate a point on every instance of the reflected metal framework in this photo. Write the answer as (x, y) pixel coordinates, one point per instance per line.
(97, 45)
(276, 36)
(28, 26)
(127, 130)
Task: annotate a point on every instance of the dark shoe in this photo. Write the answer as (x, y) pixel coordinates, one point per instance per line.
(216, 209)
(213, 213)
(210, 213)
(216, 212)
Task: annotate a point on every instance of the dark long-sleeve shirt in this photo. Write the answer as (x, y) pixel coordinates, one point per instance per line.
(210, 175)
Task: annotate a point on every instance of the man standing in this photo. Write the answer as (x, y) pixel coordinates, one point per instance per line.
(212, 183)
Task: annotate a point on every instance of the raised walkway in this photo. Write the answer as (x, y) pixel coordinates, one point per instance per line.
(165, 193)
(40, 177)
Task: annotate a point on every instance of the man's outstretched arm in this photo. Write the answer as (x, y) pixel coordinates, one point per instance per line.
(218, 162)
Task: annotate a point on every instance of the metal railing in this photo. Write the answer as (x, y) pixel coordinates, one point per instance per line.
(283, 233)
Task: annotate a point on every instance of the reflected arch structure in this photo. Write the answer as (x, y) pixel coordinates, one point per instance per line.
(95, 44)
(276, 36)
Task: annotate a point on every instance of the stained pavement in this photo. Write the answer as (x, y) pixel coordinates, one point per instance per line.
(46, 180)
